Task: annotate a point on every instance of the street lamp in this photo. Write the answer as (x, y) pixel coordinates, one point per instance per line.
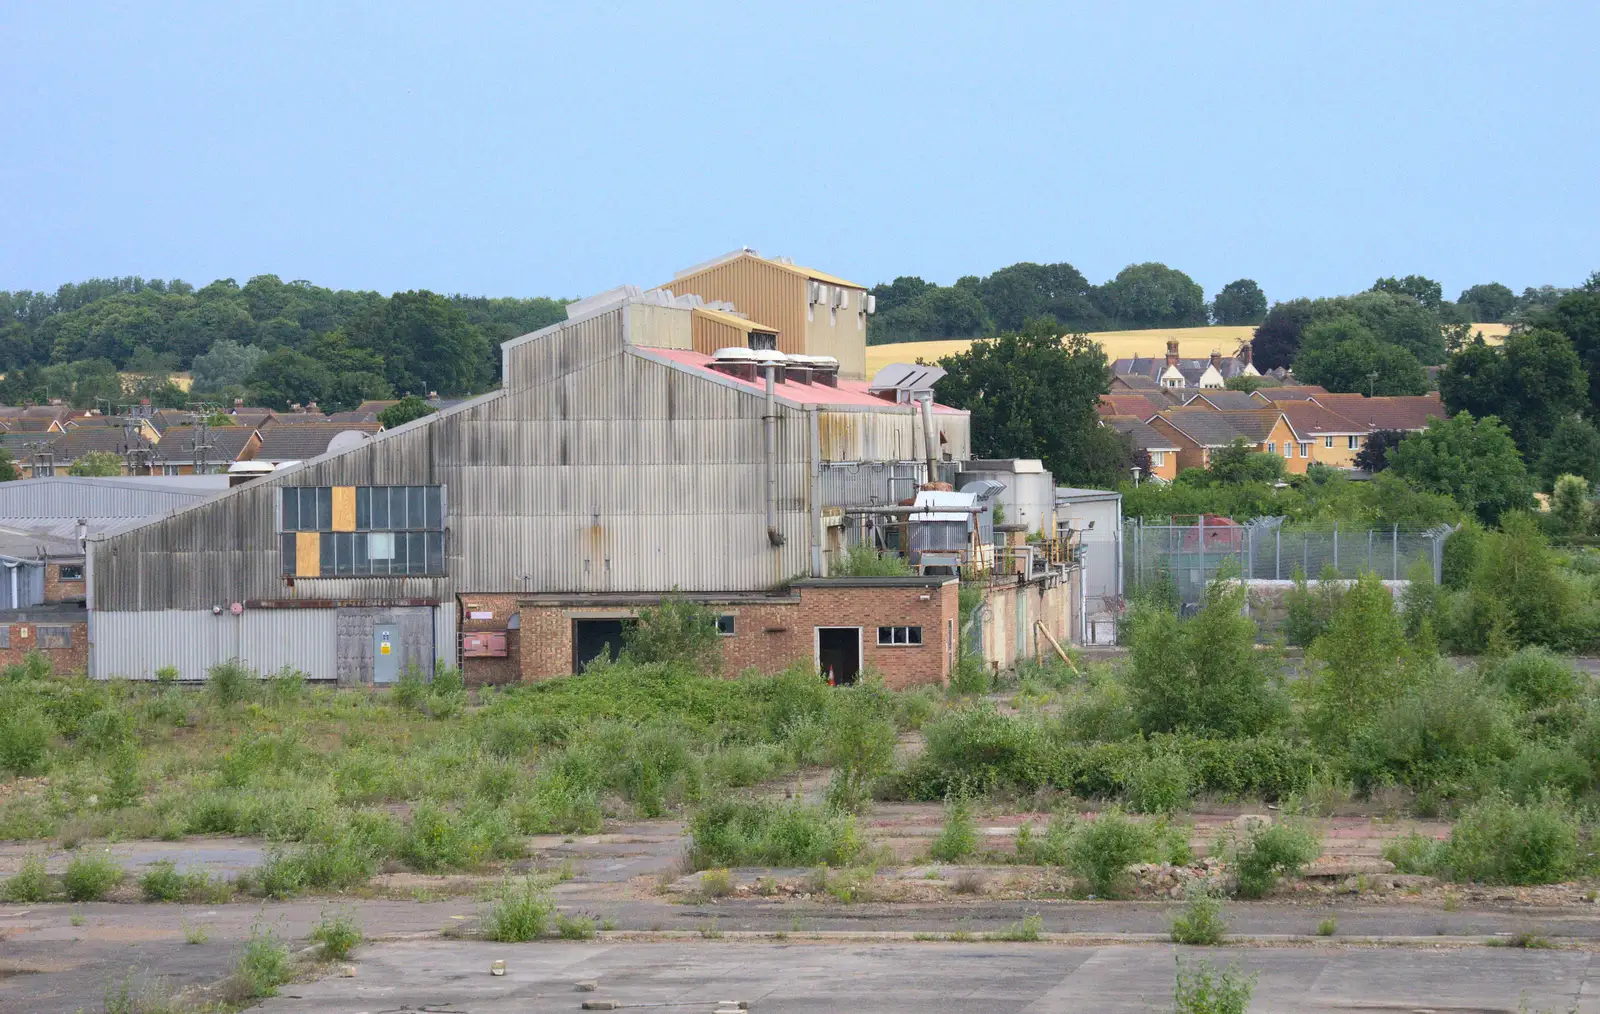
(1136, 470)
(1372, 380)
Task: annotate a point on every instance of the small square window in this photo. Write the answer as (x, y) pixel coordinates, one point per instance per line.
(1355, 442)
(1272, 447)
(899, 635)
(71, 572)
(1305, 450)
(725, 625)
(1327, 441)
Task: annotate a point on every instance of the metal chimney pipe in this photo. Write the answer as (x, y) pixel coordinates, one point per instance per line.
(929, 444)
(769, 458)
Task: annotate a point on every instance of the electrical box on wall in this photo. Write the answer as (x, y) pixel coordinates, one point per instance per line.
(484, 644)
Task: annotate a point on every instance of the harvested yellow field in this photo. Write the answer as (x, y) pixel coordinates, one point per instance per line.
(1193, 343)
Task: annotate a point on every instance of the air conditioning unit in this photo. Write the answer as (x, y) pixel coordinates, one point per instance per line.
(844, 299)
(870, 303)
(813, 292)
(839, 298)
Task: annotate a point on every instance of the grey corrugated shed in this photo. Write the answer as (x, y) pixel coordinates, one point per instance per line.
(69, 497)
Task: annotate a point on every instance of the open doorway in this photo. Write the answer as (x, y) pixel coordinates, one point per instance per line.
(839, 654)
(593, 638)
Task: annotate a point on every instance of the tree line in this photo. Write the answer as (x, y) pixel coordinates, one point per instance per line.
(271, 342)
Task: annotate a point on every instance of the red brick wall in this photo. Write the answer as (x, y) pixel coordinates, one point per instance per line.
(491, 670)
(57, 590)
(769, 636)
(25, 638)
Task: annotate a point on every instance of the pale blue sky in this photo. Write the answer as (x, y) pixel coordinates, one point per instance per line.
(529, 149)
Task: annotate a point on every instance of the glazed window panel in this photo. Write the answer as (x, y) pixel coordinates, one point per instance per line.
(397, 530)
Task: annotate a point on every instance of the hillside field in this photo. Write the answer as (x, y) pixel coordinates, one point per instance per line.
(1193, 342)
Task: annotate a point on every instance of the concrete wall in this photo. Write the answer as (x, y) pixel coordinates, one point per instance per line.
(1014, 607)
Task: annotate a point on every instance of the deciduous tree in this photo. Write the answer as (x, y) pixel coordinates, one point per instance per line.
(1473, 461)
(1240, 302)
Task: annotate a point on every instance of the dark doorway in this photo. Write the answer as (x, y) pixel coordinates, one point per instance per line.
(839, 654)
(593, 638)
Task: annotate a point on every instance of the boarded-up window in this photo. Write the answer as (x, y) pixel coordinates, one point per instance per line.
(5, 635)
(55, 637)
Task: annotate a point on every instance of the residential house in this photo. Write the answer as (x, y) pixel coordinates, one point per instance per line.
(58, 453)
(1174, 371)
(808, 312)
(301, 441)
(367, 412)
(191, 450)
(1332, 439)
(1130, 404)
(1199, 431)
(1406, 413)
(1162, 448)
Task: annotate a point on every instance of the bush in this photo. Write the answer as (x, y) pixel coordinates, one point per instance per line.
(1201, 923)
(1537, 678)
(338, 935)
(25, 741)
(1201, 989)
(860, 748)
(959, 838)
(521, 912)
(575, 927)
(162, 882)
(1159, 784)
(1437, 738)
(1308, 612)
(439, 840)
(1276, 850)
(1413, 853)
(678, 632)
(1049, 849)
(861, 560)
(30, 884)
(230, 682)
(124, 787)
(1497, 841)
(260, 968)
(410, 691)
(1360, 662)
(971, 676)
(1099, 710)
(1202, 675)
(90, 878)
(1101, 850)
(760, 833)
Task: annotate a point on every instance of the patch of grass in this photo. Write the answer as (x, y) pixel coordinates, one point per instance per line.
(1201, 923)
(958, 839)
(30, 884)
(969, 882)
(709, 931)
(195, 933)
(763, 833)
(260, 968)
(163, 882)
(1328, 927)
(521, 911)
(717, 883)
(575, 927)
(338, 935)
(1201, 989)
(1524, 939)
(1025, 931)
(230, 682)
(90, 878)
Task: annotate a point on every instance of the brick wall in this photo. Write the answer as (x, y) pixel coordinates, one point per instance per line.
(24, 637)
(492, 670)
(770, 635)
(57, 590)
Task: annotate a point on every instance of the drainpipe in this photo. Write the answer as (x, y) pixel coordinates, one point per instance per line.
(16, 602)
(925, 398)
(771, 420)
(816, 493)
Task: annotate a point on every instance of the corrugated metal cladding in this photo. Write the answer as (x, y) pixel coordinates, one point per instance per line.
(72, 497)
(135, 645)
(616, 472)
(771, 295)
(851, 485)
(893, 433)
(711, 334)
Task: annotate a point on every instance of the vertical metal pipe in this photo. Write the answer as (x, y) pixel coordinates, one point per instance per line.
(929, 446)
(816, 492)
(1277, 553)
(1394, 552)
(774, 536)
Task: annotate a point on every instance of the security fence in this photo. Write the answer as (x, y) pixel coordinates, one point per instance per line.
(1185, 554)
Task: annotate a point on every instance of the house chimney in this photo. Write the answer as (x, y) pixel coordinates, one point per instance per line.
(1216, 360)
(238, 403)
(1245, 353)
(1172, 353)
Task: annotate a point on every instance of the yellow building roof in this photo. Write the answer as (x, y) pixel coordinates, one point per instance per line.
(744, 324)
(813, 274)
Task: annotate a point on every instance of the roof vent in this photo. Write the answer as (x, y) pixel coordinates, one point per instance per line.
(735, 362)
(899, 382)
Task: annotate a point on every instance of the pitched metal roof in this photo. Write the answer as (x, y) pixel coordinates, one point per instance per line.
(782, 265)
(744, 324)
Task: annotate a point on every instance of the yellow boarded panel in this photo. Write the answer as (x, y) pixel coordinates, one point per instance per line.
(307, 554)
(344, 508)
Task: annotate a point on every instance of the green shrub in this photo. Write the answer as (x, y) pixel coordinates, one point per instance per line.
(861, 749)
(1201, 989)
(1026, 930)
(90, 877)
(35, 666)
(447, 680)
(1497, 841)
(338, 935)
(1308, 612)
(677, 631)
(106, 729)
(25, 741)
(958, 839)
(260, 968)
(1201, 924)
(1159, 784)
(1541, 768)
(520, 912)
(575, 927)
(1101, 850)
(1328, 927)
(230, 682)
(1049, 849)
(439, 840)
(1537, 678)
(1358, 662)
(761, 833)
(861, 560)
(1413, 853)
(162, 882)
(1438, 737)
(1099, 710)
(124, 787)
(970, 677)
(410, 691)
(286, 687)
(30, 884)
(1265, 853)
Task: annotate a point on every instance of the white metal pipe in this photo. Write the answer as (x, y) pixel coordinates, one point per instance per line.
(925, 398)
(769, 459)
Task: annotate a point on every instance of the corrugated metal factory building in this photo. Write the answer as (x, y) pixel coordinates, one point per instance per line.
(613, 462)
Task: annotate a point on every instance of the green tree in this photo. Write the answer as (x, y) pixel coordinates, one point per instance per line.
(1239, 462)
(285, 377)
(1152, 295)
(1033, 395)
(1240, 302)
(403, 411)
(1569, 505)
(1374, 454)
(97, 463)
(1202, 675)
(8, 467)
(677, 630)
(1490, 303)
(1573, 448)
(1531, 383)
(1424, 290)
(1577, 315)
(1278, 338)
(1473, 461)
(425, 342)
(1021, 292)
(1360, 661)
(1342, 354)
